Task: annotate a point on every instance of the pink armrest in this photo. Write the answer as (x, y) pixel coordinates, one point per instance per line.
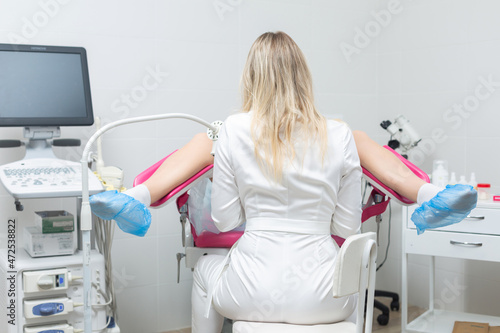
(143, 176)
(386, 190)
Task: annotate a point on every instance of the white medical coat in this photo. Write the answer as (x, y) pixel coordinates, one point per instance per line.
(279, 275)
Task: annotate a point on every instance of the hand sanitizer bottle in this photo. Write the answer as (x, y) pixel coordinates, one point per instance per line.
(440, 173)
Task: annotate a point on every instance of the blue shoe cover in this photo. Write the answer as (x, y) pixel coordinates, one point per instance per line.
(131, 215)
(449, 206)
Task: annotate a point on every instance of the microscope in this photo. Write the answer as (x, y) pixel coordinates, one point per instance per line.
(403, 135)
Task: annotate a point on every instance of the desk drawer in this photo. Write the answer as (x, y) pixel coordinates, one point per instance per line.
(480, 221)
(453, 244)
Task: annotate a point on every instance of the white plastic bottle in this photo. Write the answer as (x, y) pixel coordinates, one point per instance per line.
(453, 178)
(473, 181)
(440, 173)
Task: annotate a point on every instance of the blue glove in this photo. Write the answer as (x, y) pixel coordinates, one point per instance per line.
(449, 206)
(131, 215)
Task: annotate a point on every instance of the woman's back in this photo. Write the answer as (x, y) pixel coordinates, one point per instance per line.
(309, 189)
(295, 179)
(286, 251)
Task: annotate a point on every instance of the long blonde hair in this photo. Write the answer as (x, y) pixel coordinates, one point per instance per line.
(277, 86)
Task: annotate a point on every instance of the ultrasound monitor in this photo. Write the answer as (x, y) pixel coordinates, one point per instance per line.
(44, 86)
(41, 89)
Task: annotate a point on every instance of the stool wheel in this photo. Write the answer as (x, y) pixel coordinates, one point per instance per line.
(383, 319)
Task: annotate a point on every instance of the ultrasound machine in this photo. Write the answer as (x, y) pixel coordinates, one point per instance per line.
(41, 89)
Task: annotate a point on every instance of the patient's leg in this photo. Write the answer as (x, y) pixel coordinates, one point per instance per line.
(176, 169)
(386, 167)
(130, 207)
(437, 207)
(180, 166)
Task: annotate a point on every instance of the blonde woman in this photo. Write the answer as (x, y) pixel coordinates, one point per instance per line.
(294, 177)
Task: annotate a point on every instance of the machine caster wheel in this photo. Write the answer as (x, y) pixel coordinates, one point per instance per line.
(395, 305)
(383, 319)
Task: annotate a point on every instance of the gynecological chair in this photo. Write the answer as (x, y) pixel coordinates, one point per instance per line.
(197, 244)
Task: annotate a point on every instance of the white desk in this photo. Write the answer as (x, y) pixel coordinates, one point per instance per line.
(475, 238)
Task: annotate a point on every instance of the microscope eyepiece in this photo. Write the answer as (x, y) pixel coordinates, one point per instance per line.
(385, 124)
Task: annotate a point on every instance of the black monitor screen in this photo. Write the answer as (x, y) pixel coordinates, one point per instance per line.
(44, 86)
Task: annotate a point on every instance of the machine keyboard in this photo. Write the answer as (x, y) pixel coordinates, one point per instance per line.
(34, 178)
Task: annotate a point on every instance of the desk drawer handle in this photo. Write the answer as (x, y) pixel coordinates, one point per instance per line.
(474, 217)
(465, 243)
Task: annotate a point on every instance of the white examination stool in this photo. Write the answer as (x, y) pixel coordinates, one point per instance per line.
(354, 272)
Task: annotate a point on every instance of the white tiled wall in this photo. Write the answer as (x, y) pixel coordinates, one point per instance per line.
(426, 59)
(431, 57)
(198, 55)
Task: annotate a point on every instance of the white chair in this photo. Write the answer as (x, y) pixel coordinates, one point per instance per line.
(354, 273)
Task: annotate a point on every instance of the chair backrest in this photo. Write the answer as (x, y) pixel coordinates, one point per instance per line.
(354, 272)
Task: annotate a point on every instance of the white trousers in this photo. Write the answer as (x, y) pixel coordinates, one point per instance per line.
(270, 277)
